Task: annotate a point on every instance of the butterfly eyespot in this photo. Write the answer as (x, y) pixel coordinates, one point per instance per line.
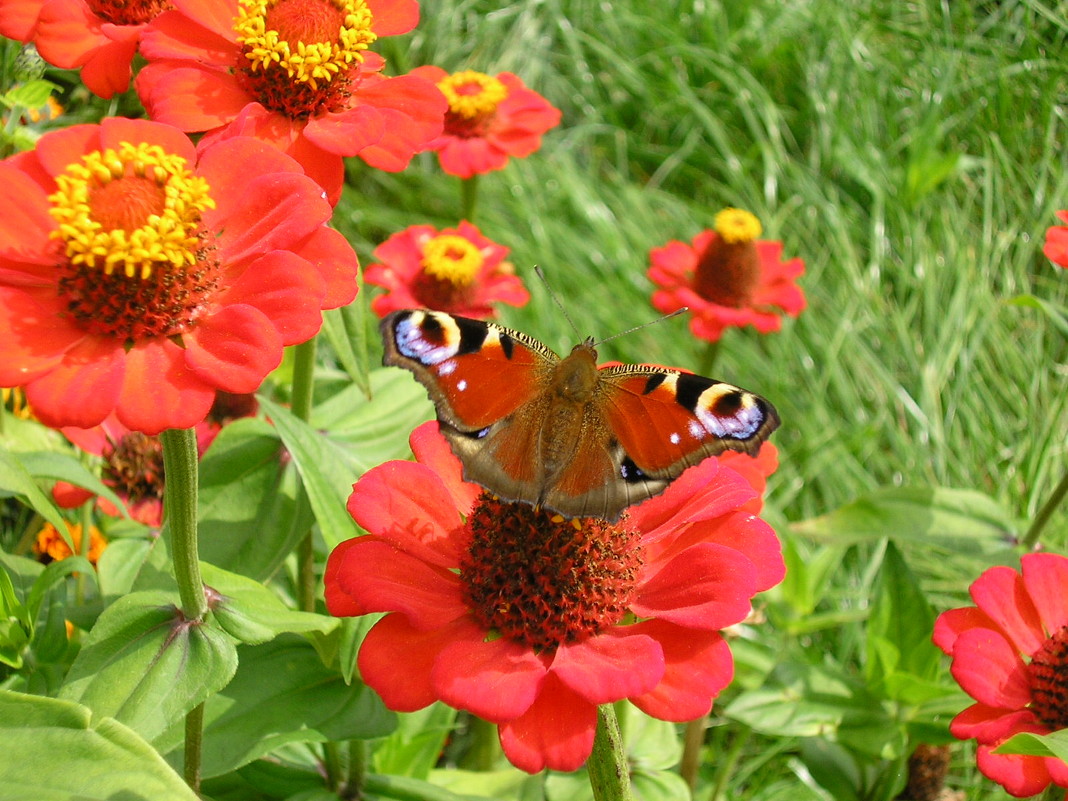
(727, 404)
(629, 471)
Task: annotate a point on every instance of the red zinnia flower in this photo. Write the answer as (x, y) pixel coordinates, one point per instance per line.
(489, 120)
(531, 621)
(295, 73)
(1010, 653)
(455, 270)
(727, 277)
(1056, 248)
(100, 36)
(139, 276)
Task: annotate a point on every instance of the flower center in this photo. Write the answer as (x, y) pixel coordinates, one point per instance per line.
(134, 468)
(452, 258)
(540, 580)
(129, 221)
(1049, 681)
(128, 12)
(299, 53)
(473, 98)
(728, 272)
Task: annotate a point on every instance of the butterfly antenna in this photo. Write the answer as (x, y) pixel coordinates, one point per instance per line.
(675, 313)
(545, 283)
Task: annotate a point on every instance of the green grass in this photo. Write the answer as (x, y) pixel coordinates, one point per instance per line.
(910, 153)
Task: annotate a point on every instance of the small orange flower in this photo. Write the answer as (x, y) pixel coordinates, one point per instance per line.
(727, 277)
(456, 270)
(51, 547)
(490, 119)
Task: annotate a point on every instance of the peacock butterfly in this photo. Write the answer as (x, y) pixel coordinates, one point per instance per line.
(562, 433)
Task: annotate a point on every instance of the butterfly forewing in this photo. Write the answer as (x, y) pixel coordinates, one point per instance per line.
(475, 372)
(666, 420)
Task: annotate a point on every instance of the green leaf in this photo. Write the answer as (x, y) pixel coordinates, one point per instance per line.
(16, 624)
(252, 512)
(322, 467)
(146, 666)
(971, 521)
(415, 747)
(32, 94)
(281, 694)
(55, 466)
(1054, 745)
(1057, 314)
(346, 329)
(248, 611)
(899, 626)
(54, 752)
(17, 480)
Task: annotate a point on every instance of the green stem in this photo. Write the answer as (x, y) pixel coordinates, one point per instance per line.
(607, 765)
(692, 743)
(301, 405)
(332, 766)
(468, 197)
(1045, 513)
(194, 740)
(708, 360)
(180, 504)
(86, 514)
(357, 778)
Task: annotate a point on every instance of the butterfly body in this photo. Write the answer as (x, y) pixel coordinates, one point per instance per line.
(560, 432)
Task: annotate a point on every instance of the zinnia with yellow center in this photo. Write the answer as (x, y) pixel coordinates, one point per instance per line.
(490, 120)
(138, 275)
(727, 277)
(456, 270)
(298, 74)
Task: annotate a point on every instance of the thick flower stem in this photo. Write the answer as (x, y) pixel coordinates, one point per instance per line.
(180, 466)
(708, 358)
(1045, 513)
(468, 197)
(301, 405)
(607, 765)
(693, 741)
(180, 508)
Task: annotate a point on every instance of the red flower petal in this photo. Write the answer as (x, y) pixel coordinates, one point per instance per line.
(953, 622)
(1045, 575)
(467, 157)
(1000, 592)
(497, 680)
(556, 732)
(25, 223)
(69, 496)
(604, 669)
(234, 348)
(333, 257)
(159, 391)
(392, 17)
(1022, 776)
(991, 725)
(698, 665)
(990, 669)
(107, 71)
(346, 133)
(432, 450)
(191, 98)
(283, 287)
(224, 162)
(412, 111)
(420, 519)
(706, 587)
(338, 600)
(381, 578)
(18, 18)
(83, 389)
(396, 659)
(204, 34)
(67, 30)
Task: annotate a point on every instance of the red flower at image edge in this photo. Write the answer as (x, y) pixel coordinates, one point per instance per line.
(139, 276)
(100, 38)
(457, 270)
(489, 120)
(1056, 247)
(212, 69)
(727, 278)
(641, 619)
(1010, 653)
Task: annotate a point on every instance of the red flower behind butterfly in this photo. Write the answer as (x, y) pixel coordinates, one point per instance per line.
(531, 621)
(1056, 247)
(456, 270)
(1010, 653)
(727, 277)
(490, 119)
(295, 73)
(98, 36)
(138, 276)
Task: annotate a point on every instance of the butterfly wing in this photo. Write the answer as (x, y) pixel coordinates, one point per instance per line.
(665, 421)
(488, 385)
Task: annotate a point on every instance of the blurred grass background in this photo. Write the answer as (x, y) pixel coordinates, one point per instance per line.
(910, 152)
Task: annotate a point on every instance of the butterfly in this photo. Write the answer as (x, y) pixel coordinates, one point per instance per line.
(563, 433)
